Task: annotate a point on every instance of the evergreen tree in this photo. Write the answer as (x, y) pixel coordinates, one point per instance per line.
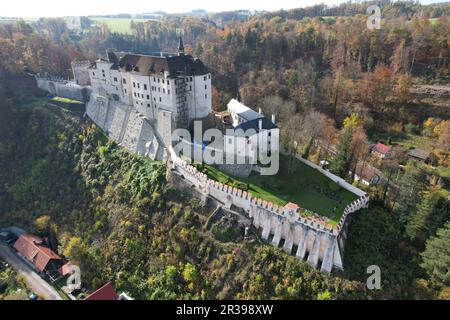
(412, 184)
(341, 163)
(307, 149)
(431, 214)
(436, 257)
(416, 228)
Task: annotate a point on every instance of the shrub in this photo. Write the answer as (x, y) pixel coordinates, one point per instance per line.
(412, 128)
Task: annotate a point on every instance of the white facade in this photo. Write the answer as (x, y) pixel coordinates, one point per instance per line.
(252, 133)
(150, 92)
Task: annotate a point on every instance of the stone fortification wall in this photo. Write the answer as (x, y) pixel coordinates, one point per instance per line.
(320, 244)
(62, 88)
(125, 125)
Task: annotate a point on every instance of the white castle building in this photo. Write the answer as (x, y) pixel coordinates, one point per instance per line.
(180, 84)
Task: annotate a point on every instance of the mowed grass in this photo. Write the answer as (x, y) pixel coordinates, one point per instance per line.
(301, 184)
(119, 25)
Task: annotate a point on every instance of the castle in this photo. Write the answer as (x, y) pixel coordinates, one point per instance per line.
(138, 100)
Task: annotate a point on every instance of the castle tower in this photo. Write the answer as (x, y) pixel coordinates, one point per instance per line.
(180, 47)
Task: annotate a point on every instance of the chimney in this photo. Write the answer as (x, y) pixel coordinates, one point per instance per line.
(273, 118)
(260, 124)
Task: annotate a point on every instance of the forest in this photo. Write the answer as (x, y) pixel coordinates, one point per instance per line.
(332, 83)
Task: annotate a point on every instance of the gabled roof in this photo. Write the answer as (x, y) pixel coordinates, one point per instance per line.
(107, 292)
(381, 148)
(368, 173)
(34, 249)
(175, 65)
(266, 124)
(419, 154)
(243, 111)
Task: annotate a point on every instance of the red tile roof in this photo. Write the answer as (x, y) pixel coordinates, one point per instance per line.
(381, 148)
(292, 205)
(107, 292)
(33, 249)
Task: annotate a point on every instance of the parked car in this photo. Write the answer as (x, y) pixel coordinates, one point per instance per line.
(33, 296)
(8, 237)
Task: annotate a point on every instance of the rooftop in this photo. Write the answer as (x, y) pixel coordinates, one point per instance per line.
(243, 111)
(33, 248)
(152, 64)
(419, 154)
(107, 292)
(381, 148)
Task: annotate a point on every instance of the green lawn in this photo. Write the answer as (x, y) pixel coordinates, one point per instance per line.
(301, 185)
(66, 100)
(120, 25)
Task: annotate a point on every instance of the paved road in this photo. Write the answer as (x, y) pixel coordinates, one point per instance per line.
(39, 285)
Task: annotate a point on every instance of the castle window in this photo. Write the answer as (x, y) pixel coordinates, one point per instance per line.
(159, 89)
(206, 96)
(158, 80)
(124, 81)
(168, 91)
(204, 78)
(190, 88)
(168, 82)
(270, 133)
(125, 90)
(139, 86)
(191, 79)
(154, 79)
(162, 80)
(135, 94)
(148, 105)
(148, 97)
(209, 76)
(206, 87)
(145, 87)
(164, 90)
(93, 73)
(160, 99)
(134, 85)
(115, 79)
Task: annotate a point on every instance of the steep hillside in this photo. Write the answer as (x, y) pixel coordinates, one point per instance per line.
(120, 217)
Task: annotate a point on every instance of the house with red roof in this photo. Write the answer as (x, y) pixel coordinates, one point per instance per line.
(107, 292)
(34, 249)
(381, 150)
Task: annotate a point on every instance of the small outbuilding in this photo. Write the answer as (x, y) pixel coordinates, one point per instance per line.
(107, 292)
(34, 249)
(381, 150)
(419, 154)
